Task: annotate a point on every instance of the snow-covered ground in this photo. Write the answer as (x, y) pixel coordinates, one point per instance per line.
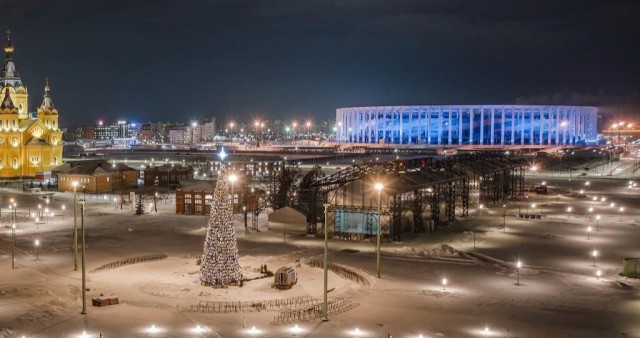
(558, 295)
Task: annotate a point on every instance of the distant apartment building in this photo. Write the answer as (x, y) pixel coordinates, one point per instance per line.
(77, 133)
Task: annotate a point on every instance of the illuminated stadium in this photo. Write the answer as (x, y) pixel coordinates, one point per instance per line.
(469, 124)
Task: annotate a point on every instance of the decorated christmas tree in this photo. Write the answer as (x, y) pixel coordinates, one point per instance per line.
(220, 264)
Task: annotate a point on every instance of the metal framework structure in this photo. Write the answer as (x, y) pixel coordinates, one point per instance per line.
(468, 124)
(415, 186)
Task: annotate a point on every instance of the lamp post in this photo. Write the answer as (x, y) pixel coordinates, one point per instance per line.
(588, 232)
(597, 222)
(378, 187)
(444, 284)
(84, 285)
(13, 246)
(63, 210)
(518, 266)
(621, 210)
(326, 258)
(75, 226)
(590, 212)
(504, 218)
(308, 124)
(594, 254)
(598, 274)
(37, 243)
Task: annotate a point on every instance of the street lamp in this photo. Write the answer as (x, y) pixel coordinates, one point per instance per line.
(326, 258)
(13, 246)
(597, 222)
(594, 254)
(588, 232)
(84, 285)
(444, 284)
(518, 266)
(378, 186)
(590, 212)
(621, 210)
(598, 274)
(504, 218)
(75, 226)
(308, 124)
(37, 245)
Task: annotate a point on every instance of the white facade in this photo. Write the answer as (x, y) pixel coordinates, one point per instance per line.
(470, 124)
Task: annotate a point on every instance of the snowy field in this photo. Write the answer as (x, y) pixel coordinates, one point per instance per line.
(559, 294)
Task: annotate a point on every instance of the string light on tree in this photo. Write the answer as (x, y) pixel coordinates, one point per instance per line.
(220, 265)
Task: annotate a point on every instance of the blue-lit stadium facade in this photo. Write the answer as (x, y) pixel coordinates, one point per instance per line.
(467, 125)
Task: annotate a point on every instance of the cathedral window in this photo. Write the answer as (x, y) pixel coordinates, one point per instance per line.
(15, 162)
(55, 160)
(14, 141)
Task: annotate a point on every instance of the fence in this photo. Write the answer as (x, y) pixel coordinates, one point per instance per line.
(250, 306)
(314, 311)
(129, 261)
(340, 271)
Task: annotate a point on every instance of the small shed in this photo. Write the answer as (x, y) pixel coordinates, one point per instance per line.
(630, 267)
(285, 278)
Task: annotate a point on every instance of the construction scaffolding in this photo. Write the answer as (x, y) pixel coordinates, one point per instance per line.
(440, 188)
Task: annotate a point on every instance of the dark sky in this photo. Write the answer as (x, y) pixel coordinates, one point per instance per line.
(175, 60)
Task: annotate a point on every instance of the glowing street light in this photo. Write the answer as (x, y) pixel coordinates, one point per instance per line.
(486, 331)
(75, 226)
(13, 246)
(588, 232)
(518, 266)
(594, 254)
(597, 222)
(590, 212)
(37, 243)
(504, 218)
(621, 210)
(598, 274)
(378, 186)
(444, 284)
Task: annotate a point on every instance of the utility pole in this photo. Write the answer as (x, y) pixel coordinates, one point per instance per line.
(84, 285)
(326, 258)
(75, 227)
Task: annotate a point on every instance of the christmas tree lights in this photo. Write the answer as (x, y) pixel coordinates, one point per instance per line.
(220, 266)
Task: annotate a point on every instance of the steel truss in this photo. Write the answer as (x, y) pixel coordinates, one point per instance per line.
(418, 184)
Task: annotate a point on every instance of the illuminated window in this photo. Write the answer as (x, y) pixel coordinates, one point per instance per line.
(15, 162)
(35, 159)
(55, 160)
(14, 141)
(108, 179)
(14, 123)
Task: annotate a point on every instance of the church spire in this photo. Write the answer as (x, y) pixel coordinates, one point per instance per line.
(47, 103)
(9, 47)
(9, 76)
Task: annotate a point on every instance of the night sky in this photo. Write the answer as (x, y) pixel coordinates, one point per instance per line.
(176, 60)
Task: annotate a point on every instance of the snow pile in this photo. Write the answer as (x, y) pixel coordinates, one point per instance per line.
(6, 333)
(444, 251)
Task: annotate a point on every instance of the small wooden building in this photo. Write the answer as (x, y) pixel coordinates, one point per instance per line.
(285, 278)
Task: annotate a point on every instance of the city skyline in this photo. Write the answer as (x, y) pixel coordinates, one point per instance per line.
(254, 60)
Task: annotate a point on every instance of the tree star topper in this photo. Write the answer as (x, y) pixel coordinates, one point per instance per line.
(222, 154)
